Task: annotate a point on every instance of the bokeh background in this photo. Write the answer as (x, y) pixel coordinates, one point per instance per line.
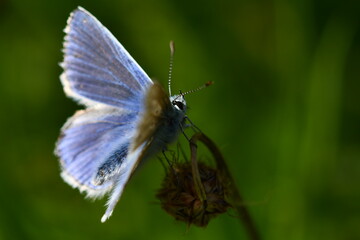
(284, 109)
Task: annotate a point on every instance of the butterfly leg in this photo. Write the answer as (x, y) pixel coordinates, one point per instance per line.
(192, 125)
(182, 129)
(171, 164)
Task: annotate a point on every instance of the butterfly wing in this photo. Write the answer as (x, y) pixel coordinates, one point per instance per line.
(93, 147)
(97, 67)
(128, 168)
(100, 147)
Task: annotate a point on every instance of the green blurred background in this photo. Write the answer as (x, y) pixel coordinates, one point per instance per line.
(284, 109)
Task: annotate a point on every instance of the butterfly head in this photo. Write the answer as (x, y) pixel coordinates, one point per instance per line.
(178, 102)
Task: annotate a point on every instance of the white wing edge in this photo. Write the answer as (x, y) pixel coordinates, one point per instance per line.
(90, 193)
(72, 94)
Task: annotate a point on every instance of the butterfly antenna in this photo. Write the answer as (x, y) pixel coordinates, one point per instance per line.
(172, 51)
(199, 88)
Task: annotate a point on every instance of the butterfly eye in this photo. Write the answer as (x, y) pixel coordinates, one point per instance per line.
(179, 104)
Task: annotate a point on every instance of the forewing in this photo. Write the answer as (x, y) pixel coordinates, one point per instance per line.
(93, 138)
(97, 68)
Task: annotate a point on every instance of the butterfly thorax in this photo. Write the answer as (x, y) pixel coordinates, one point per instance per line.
(161, 120)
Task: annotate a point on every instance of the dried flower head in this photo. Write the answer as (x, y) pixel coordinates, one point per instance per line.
(179, 196)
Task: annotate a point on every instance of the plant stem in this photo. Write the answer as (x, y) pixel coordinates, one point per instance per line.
(234, 194)
(196, 175)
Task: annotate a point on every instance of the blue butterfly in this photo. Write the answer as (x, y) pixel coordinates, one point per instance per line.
(127, 119)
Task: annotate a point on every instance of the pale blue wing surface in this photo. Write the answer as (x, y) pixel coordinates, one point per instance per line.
(97, 68)
(93, 138)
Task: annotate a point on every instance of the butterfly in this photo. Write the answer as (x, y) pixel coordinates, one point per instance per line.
(127, 116)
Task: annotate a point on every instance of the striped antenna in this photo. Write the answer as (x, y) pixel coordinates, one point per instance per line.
(172, 51)
(199, 88)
